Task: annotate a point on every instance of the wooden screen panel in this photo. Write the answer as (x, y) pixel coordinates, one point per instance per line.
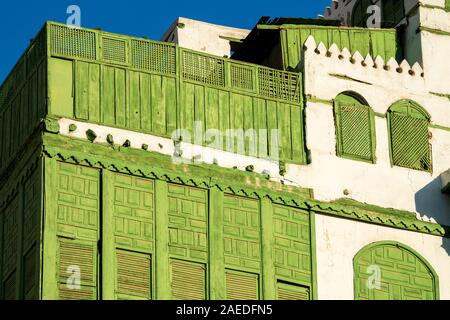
(287, 291)
(242, 286)
(188, 280)
(133, 275)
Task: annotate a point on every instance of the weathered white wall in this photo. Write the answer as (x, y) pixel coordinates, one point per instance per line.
(380, 183)
(339, 240)
(203, 36)
(435, 48)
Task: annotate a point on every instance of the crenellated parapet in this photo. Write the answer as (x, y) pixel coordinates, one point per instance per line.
(352, 69)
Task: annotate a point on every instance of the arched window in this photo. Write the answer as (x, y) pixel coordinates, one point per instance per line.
(393, 271)
(355, 128)
(409, 136)
(392, 12)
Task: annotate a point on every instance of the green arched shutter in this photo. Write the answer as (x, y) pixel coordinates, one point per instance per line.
(410, 147)
(355, 129)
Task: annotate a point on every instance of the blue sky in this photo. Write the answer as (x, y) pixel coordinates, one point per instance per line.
(21, 20)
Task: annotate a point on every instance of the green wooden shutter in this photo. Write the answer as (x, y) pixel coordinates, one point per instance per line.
(355, 133)
(286, 291)
(410, 147)
(187, 280)
(81, 254)
(242, 286)
(9, 287)
(133, 275)
(30, 275)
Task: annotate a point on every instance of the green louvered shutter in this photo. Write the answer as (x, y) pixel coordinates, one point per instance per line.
(187, 280)
(9, 287)
(242, 286)
(133, 275)
(287, 291)
(30, 275)
(410, 145)
(354, 129)
(81, 255)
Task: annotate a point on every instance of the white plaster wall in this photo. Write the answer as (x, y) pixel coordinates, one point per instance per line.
(436, 48)
(166, 147)
(379, 184)
(339, 240)
(203, 36)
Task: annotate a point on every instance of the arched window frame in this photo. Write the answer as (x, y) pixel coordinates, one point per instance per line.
(343, 150)
(373, 245)
(410, 109)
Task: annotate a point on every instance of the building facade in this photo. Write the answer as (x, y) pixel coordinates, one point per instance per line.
(312, 164)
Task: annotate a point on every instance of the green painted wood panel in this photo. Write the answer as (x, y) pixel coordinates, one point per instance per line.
(188, 222)
(77, 218)
(242, 234)
(292, 252)
(20, 114)
(355, 129)
(402, 275)
(10, 250)
(20, 239)
(381, 42)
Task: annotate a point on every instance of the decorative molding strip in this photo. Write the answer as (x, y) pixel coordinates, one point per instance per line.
(310, 98)
(156, 166)
(432, 30)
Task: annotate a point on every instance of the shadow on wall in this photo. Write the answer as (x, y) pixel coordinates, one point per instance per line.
(432, 203)
(446, 243)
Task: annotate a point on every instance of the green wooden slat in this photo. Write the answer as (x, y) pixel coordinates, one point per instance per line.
(271, 109)
(268, 242)
(250, 134)
(161, 241)
(121, 102)
(187, 115)
(216, 249)
(237, 119)
(134, 115)
(60, 88)
(199, 108)
(7, 134)
(42, 83)
(108, 95)
(171, 105)
(94, 92)
(390, 45)
(261, 123)
(146, 103)
(284, 127)
(158, 86)
(296, 133)
(224, 114)
(82, 90)
(212, 108)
